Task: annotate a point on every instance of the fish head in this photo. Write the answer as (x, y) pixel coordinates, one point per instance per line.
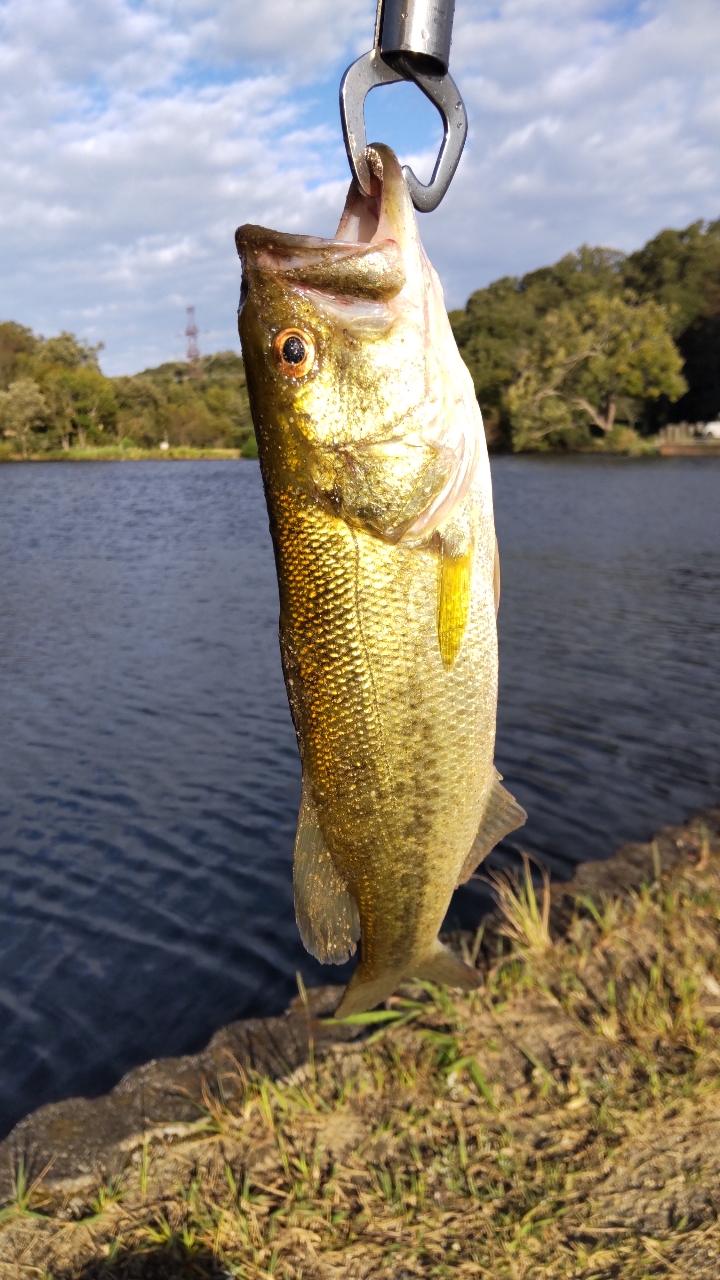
(355, 381)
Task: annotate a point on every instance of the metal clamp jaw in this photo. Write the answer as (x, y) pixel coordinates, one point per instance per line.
(412, 42)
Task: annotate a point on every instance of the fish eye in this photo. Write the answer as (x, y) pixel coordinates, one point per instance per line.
(293, 352)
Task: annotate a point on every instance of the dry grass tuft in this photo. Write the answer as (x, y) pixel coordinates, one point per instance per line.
(563, 1122)
(526, 922)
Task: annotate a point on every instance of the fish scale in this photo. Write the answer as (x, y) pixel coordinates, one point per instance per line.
(378, 489)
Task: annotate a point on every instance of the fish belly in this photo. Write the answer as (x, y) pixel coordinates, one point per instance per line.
(397, 749)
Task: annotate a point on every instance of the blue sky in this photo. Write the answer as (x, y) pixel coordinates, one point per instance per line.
(137, 134)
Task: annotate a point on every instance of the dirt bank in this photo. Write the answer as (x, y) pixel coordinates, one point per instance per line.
(562, 1122)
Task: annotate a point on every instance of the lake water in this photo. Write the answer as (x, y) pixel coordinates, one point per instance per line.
(149, 779)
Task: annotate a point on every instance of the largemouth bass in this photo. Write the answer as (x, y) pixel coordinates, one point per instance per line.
(377, 481)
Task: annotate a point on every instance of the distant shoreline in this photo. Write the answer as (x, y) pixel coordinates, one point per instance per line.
(177, 453)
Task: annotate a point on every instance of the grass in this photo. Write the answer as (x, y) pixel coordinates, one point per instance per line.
(526, 922)
(128, 453)
(561, 1122)
(23, 1192)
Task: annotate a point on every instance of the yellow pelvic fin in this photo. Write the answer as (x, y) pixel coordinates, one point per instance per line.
(453, 603)
(496, 578)
(502, 815)
(325, 909)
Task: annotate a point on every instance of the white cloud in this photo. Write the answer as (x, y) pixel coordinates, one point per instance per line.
(138, 133)
(584, 128)
(136, 140)
(308, 35)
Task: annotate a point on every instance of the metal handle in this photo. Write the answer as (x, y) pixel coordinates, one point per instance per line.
(369, 72)
(412, 42)
(419, 29)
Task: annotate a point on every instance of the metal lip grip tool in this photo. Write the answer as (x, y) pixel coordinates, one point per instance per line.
(412, 42)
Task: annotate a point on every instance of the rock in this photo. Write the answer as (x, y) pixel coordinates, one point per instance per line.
(83, 1138)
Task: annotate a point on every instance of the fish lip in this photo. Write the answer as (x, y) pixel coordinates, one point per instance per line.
(368, 263)
(342, 268)
(253, 234)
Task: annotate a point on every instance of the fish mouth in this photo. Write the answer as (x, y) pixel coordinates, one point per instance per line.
(365, 259)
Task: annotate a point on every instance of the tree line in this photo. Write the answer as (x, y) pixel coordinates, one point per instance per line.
(601, 347)
(54, 397)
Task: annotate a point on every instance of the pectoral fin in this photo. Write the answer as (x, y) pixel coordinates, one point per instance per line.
(326, 913)
(502, 815)
(496, 578)
(453, 603)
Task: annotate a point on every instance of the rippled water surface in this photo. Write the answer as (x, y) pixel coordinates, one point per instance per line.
(149, 779)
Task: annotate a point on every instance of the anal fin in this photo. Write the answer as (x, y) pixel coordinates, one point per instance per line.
(440, 966)
(448, 970)
(325, 909)
(363, 994)
(502, 815)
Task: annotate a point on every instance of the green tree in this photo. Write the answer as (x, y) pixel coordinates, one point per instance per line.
(94, 403)
(488, 331)
(81, 406)
(500, 319)
(60, 405)
(207, 410)
(67, 351)
(81, 401)
(584, 362)
(187, 420)
(15, 342)
(681, 269)
(22, 407)
(140, 399)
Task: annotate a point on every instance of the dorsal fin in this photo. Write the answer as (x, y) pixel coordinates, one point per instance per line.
(326, 913)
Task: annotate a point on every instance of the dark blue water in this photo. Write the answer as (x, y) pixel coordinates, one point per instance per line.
(149, 780)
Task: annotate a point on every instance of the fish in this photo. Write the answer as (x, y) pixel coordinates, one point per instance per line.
(377, 481)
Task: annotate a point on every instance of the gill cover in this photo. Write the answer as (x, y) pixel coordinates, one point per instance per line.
(399, 459)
